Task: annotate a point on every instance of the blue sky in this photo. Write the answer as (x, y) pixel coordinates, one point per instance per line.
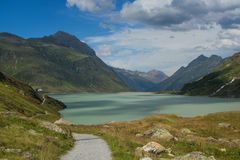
(33, 18)
(137, 35)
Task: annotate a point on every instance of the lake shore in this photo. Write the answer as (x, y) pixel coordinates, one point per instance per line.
(94, 108)
(215, 135)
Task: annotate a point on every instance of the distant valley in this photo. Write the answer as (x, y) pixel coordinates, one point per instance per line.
(140, 81)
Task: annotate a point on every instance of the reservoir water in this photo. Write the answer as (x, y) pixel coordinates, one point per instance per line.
(99, 108)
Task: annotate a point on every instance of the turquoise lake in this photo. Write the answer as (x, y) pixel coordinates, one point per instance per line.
(100, 108)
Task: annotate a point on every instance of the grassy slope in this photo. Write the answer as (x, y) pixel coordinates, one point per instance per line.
(123, 142)
(21, 113)
(222, 75)
(54, 67)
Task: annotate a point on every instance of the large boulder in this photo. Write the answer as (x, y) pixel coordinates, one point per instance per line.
(186, 131)
(151, 148)
(52, 127)
(159, 133)
(194, 156)
(224, 125)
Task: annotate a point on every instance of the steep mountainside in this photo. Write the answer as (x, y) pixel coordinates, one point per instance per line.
(25, 120)
(140, 81)
(18, 97)
(198, 68)
(224, 81)
(56, 63)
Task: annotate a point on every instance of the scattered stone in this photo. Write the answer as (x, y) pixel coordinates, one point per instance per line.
(27, 155)
(224, 125)
(153, 147)
(138, 135)
(62, 121)
(236, 141)
(223, 149)
(34, 133)
(169, 151)
(194, 156)
(146, 158)
(176, 139)
(52, 127)
(186, 131)
(159, 133)
(106, 126)
(211, 139)
(10, 150)
(223, 141)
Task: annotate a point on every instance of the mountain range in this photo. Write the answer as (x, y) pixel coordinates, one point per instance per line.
(57, 63)
(224, 81)
(140, 81)
(195, 70)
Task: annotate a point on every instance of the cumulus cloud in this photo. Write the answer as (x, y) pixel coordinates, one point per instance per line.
(93, 6)
(183, 13)
(104, 50)
(146, 49)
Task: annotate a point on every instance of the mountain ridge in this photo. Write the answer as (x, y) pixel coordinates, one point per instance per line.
(224, 81)
(197, 68)
(57, 65)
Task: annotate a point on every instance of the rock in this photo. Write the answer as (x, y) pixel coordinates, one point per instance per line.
(194, 156)
(52, 127)
(34, 133)
(224, 125)
(27, 155)
(139, 135)
(223, 141)
(211, 139)
(10, 150)
(236, 141)
(149, 149)
(223, 149)
(186, 131)
(160, 134)
(62, 121)
(169, 152)
(153, 147)
(146, 158)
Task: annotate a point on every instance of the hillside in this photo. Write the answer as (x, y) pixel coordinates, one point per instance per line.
(25, 123)
(56, 63)
(140, 81)
(224, 81)
(168, 137)
(195, 70)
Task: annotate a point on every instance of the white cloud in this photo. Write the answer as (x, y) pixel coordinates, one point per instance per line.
(93, 6)
(183, 14)
(104, 50)
(146, 49)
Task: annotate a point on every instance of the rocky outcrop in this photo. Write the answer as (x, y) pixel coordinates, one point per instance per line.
(159, 133)
(152, 148)
(62, 121)
(224, 125)
(52, 127)
(186, 131)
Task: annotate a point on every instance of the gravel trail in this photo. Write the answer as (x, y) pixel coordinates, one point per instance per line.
(88, 147)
